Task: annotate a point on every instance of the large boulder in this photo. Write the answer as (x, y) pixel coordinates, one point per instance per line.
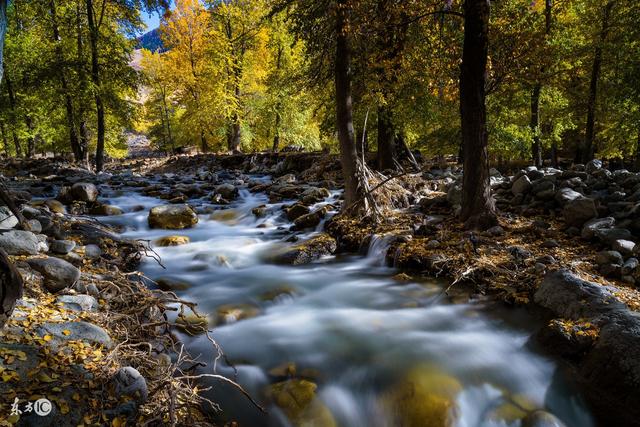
(58, 273)
(307, 251)
(565, 195)
(578, 211)
(570, 297)
(172, 217)
(84, 192)
(297, 399)
(20, 242)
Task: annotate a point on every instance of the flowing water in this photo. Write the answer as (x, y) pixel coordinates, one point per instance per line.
(343, 321)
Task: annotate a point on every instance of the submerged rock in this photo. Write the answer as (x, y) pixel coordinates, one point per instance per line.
(235, 312)
(307, 251)
(297, 399)
(425, 397)
(192, 324)
(84, 192)
(172, 217)
(172, 241)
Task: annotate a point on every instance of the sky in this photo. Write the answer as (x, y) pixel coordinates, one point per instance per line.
(151, 20)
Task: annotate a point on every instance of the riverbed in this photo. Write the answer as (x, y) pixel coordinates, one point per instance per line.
(344, 323)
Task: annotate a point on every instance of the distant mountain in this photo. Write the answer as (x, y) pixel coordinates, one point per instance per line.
(151, 41)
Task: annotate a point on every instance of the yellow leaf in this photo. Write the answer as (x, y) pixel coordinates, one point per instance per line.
(66, 332)
(47, 337)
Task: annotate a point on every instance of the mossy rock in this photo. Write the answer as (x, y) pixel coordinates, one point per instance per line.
(192, 324)
(515, 407)
(424, 398)
(307, 251)
(273, 294)
(172, 284)
(105, 210)
(297, 399)
(172, 217)
(55, 206)
(172, 241)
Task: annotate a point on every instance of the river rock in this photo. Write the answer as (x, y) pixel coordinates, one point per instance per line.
(227, 191)
(78, 302)
(307, 251)
(61, 333)
(192, 323)
(630, 266)
(610, 235)
(92, 251)
(609, 257)
(58, 273)
(573, 298)
(296, 211)
(172, 241)
(7, 218)
(593, 165)
(297, 399)
(235, 312)
(521, 185)
(62, 247)
(566, 195)
(173, 217)
(129, 382)
(425, 397)
(625, 247)
(84, 192)
(314, 195)
(102, 209)
(20, 242)
(310, 220)
(590, 227)
(578, 211)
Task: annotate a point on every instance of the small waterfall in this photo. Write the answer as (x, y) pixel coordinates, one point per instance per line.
(378, 247)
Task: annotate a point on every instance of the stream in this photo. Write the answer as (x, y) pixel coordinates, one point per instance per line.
(344, 322)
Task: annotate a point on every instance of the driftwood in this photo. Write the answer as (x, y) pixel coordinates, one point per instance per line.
(11, 287)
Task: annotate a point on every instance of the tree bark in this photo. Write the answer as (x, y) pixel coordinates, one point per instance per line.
(386, 139)
(95, 77)
(637, 159)
(352, 167)
(14, 118)
(61, 70)
(276, 136)
(589, 138)
(83, 137)
(31, 141)
(3, 32)
(5, 140)
(478, 207)
(11, 287)
(536, 147)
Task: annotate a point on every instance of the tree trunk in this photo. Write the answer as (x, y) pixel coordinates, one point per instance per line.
(478, 207)
(276, 137)
(589, 138)
(386, 139)
(3, 32)
(536, 149)
(637, 159)
(31, 141)
(83, 137)
(203, 141)
(14, 118)
(352, 168)
(11, 287)
(5, 140)
(95, 77)
(61, 70)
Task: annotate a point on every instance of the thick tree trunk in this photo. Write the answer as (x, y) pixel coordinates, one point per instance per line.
(203, 141)
(637, 159)
(61, 70)
(95, 77)
(5, 140)
(589, 138)
(536, 147)
(234, 141)
(352, 167)
(83, 137)
(31, 140)
(478, 207)
(386, 139)
(11, 287)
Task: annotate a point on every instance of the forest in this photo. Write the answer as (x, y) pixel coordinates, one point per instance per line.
(320, 213)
